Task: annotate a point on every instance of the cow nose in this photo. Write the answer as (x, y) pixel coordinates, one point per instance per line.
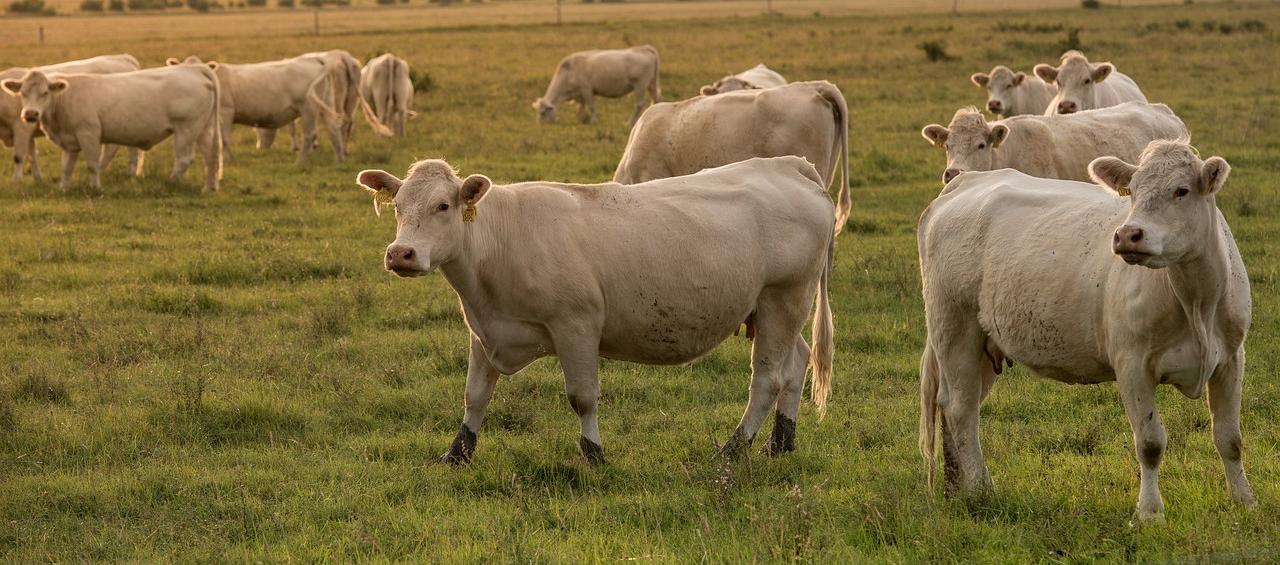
(1066, 107)
(1127, 236)
(400, 257)
(949, 174)
(30, 116)
(995, 106)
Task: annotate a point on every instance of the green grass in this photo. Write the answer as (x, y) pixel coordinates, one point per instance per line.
(232, 377)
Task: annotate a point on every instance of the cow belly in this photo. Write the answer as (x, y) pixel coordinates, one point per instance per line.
(662, 332)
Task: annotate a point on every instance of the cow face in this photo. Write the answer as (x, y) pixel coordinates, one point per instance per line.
(545, 111)
(1173, 209)
(1077, 80)
(970, 142)
(1000, 84)
(36, 91)
(726, 84)
(429, 204)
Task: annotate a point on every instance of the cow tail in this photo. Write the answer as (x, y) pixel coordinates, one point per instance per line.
(657, 87)
(844, 203)
(372, 117)
(327, 112)
(821, 357)
(216, 122)
(928, 411)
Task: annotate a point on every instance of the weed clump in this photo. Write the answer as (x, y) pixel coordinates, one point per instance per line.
(936, 51)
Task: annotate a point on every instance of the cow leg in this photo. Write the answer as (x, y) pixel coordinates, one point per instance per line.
(33, 155)
(184, 151)
(587, 108)
(1138, 392)
(783, 438)
(1224, 409)
(108, 154)
(579, 352)
(93, 159)
(24, 143)
(640, 106)
(137, 158)
(211, 154)
(337, 139)
(482, 377)
(68, 167)
(963, 362)
(266, 137)
(308, 128)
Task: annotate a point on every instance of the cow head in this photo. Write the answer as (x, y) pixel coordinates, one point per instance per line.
(36, 91)
(1172, 211)
(429, 213)
(970, 142)
(1077, 79)
(1000, 84)
(726, 84)
(192, 60)
(544, 110)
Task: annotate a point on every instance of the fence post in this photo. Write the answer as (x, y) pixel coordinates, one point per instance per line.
(317, 17)
(42, 35)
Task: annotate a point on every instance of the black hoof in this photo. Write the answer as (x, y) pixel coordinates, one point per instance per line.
(738, 444)
(783, 439)
(591, 450)
(464, 444)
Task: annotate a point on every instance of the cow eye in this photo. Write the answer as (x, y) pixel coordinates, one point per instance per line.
(442, 207)
(1182, 191)
(982, 146)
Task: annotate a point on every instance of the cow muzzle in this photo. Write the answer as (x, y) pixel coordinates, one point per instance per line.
(403, 261)
(949, 174)
(1131, 244)
(1068, 107)
(30, 116)
(995, 106)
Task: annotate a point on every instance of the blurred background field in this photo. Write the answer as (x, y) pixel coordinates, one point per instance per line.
(188, 377)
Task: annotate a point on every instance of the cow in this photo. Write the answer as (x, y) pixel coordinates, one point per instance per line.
(574, 271)
(386, 94)
(1057, 146)
(611, 73)
(274, 94)
(808, 119)
(758, 76)
(1136, 281)
(1085, 86)
(80, 112)
(1012, 93)
(21, 135)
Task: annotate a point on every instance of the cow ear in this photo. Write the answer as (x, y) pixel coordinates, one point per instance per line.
(382, 185)
(1046, 73)
(1213, 174)
(1019, 77)
(980, 79)
(935, 134)
(999, 133)
(537, 104)
(213, 65)
(13, 87)
(1102, 70)
(171, 61)
(474, 188)
(707, 90)
(1112, 173)
(58, 85)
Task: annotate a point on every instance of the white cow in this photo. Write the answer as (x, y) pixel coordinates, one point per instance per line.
(1085, 285)
(1056, 146)
(274, 94)
(1084, 86)
(1014, 94)
(344, 75)
(386, 94)
(80, 112)
(19, 134)
(573, 271)
(758, 76)
(808, 119)
(611, 73)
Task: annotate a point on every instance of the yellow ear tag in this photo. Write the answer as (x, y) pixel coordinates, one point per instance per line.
(469, 214)
(1124, 191)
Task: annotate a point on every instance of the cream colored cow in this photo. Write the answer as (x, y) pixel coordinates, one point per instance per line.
(1085, 86)
(386, 94)
(611, 73)
(1012, 93)
(758, 76)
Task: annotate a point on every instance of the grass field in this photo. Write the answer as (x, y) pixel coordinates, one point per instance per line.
(232, 377)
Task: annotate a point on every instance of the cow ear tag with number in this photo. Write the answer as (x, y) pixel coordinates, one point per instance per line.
(469, 214)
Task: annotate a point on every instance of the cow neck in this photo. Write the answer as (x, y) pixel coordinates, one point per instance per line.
(476, 263)
(1199, 285)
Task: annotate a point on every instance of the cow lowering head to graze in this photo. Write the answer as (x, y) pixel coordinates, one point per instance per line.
(1051, 146)
(1139, 282)
(808, 119)
(1085, 86)
(1014, 94)
(386, 94)
(81, 112)
(611, 73)
(756, 77)
(568, 270)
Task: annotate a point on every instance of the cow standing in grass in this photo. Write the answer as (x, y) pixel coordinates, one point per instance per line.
(1014, 93)
(1139, 283)
(657, 273)
(611, 73)
(1085, 86)
(386, 94)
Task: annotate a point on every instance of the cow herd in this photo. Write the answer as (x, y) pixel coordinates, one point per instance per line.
(94, 106)
(1078, 234)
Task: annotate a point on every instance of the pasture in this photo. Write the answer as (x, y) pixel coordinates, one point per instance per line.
(232, 377)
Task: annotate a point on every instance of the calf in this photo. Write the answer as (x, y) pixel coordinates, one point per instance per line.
(1139, 282)
(570, 270)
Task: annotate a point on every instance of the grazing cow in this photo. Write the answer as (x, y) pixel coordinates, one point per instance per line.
(21, 135)
(808, 119)
(80, 112)
(344, 82)
(758, 76)
(1138, 283)
(1057, 146)
(1014, 94)
(569, 270)
(386, 94)
(274, 94)
(1085, 86)
(611, 73)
